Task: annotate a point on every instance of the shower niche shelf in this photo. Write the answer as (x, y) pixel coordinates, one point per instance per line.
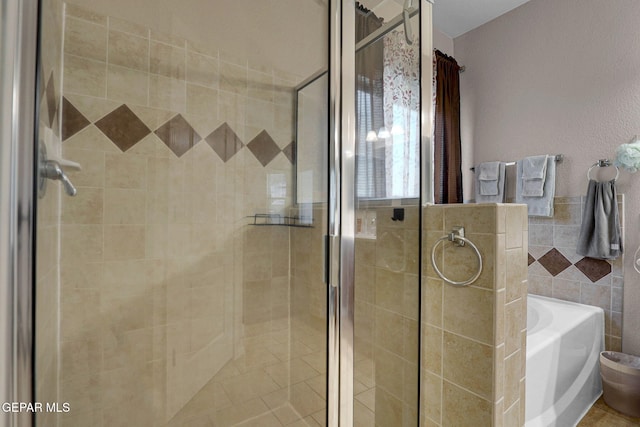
(280, 221)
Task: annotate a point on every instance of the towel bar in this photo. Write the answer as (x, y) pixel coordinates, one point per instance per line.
(559, 159)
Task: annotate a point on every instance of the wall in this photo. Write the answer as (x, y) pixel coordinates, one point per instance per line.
(474, 337)
(244, 27)
(442, 42)
(47, 271)
(560, 76)
(161, 273)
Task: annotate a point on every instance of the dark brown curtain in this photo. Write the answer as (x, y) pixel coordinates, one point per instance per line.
(447, 151)
(370, 155)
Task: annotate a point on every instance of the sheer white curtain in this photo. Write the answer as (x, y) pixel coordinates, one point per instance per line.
(388, 117)
(402, 115)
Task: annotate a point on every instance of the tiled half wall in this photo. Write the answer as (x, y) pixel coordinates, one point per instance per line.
(474, 337)
(555, 270)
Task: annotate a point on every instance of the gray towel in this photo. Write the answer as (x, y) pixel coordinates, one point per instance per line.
(538, 206)
(496, 198)
(534, 174)
(600, 231)
(488, 177)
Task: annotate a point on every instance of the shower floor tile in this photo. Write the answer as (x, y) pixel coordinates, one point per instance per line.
(253, 390)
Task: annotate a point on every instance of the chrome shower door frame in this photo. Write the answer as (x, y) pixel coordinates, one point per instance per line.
(342, 198)
(18, 53)
(341, 227)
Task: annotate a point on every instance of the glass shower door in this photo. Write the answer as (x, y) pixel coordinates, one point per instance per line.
(204, 272)
(387, 214)
(183, 284)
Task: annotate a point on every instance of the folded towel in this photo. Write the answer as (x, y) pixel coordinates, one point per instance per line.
(534, 171)
(488, 186)
(488, 175)
(534, 167)
(600, 230)
(538, 206)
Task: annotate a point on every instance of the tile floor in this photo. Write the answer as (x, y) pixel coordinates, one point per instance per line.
(601, 415)
(279, 381)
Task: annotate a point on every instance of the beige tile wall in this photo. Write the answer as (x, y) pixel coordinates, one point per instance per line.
(47, 273)
(473, 338)
(308, 296)
(561, 232)
(386, 313)
(163, 281)
(386, 321)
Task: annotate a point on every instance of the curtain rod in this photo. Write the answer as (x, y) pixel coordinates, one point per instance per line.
(559, 158)
(461, 68)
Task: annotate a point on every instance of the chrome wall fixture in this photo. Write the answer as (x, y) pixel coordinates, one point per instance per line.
(457, 238)
(51, 170)
(603, 163)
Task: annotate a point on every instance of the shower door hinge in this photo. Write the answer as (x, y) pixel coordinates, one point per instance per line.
(331, 249)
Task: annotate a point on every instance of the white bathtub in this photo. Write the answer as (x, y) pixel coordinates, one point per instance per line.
(564, 340)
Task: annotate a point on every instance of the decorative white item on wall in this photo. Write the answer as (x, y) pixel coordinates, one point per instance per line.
(628, 155)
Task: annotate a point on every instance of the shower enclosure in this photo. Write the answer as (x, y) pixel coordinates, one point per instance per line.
(216, 219)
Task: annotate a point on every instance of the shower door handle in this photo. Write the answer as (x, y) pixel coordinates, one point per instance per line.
(52, 170)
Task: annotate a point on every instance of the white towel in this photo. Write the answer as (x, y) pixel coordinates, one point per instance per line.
(488, 175)
(534, 172)
(499, 185)
(538, 206)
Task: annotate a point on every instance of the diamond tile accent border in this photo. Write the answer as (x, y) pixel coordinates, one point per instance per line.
(290, 152)
(594, 269)
(123, 127)
(72, 120)
(224, 142)
(264, 148)
(50, 97)
(178, 135)
(554, 262)
(530, 259)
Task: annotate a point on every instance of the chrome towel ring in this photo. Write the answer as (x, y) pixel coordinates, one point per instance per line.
(457, 237)
(603, 163)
